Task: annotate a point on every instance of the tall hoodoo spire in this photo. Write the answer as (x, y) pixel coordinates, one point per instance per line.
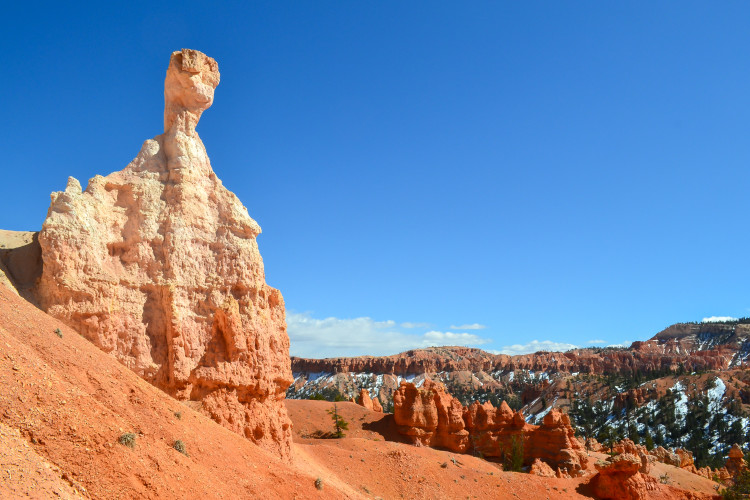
(158, 264)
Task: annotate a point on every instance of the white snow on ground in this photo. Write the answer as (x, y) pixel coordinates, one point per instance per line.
(312, 377)
(408, 378)
(510, 376)
(680, 405)
(649, 407)
(539, 417)
(715, 395)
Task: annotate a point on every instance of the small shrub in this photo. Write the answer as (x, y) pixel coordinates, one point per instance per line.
(513, 458)
(58, 332)
(740, 489)
(319, 483)
(178, 414)
(664, 479)
(127, 439)
(180, 446)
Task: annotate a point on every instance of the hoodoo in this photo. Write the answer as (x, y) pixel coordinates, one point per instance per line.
(158, 264)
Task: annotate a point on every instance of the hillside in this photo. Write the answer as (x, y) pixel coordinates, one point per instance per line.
(65, 404)
(687, 384)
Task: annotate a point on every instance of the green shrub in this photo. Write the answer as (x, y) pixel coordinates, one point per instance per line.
(127, 439)
(740, 489)
(180, 446)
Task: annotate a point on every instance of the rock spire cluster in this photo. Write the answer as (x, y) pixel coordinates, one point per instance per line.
(430, 416)
(158, 264)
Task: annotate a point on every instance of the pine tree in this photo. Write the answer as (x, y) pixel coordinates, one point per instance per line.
(339, 424)
(648, 440)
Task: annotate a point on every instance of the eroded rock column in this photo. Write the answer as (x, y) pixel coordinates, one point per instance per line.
(158, 264)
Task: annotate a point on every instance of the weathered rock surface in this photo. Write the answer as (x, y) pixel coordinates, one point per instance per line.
(366, 401)
(622, 478)
(735, 461)
(541, 469)
(158, 264)
(430, 416)
(619, 478)
(665, 456)
(20, 262)
(632, 398)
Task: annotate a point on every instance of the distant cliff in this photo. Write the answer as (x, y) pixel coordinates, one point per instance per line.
(694, 346)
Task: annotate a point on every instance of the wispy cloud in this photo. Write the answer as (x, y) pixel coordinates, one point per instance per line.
(409, 324)
(534, 346)
(472, 326)
(312, 337)
(450, 338)
(596, 342)
(626, 343)
(718, 319)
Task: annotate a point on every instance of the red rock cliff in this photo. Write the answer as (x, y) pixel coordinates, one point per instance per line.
(645, 357)
(158, 264)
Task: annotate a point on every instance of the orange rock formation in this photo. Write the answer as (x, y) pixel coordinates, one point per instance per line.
(623, 477)
(736, 461)
(619, 478)
(366, 401)
(158, 264)
(432, 417)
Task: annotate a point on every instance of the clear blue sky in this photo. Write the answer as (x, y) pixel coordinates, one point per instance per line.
(553, 171)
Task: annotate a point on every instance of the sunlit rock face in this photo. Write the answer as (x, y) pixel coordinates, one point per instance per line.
(430, 416)
(158, 264)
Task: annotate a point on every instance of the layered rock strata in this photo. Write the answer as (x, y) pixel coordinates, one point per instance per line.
(158, 264)
(430, 416)
(645, 357)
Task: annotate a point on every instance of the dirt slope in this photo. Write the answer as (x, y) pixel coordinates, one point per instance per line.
(372, 460)
(71, 402)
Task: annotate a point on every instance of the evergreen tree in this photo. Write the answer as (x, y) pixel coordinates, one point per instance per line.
(647, 440)
(339, 424)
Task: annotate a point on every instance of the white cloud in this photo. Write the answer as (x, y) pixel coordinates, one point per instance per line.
(473, 326)
(409, 324)
(334, 337)
(718, 319)
(434, 338)
(626, 343)
(596, 342)
(534, 346)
